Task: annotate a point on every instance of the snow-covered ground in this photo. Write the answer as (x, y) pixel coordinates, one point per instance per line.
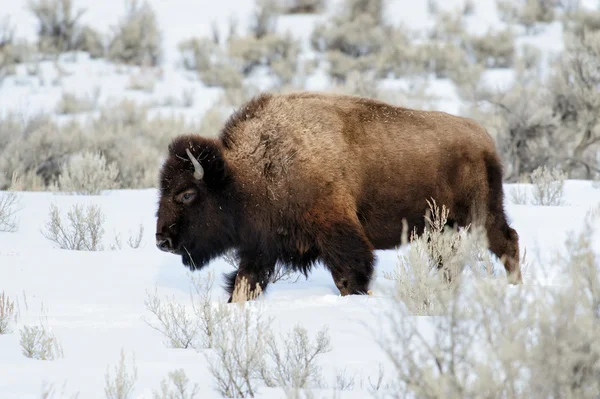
(94, 301)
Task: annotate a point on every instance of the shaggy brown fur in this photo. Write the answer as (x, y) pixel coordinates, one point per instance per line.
(302, 177)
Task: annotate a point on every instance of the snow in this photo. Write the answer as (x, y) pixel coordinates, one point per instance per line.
(94, 301)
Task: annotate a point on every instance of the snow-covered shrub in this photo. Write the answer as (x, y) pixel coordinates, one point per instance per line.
(527, 12)
(301, 6)
(354, 37)
(134, 241)
(548, 186)
(71, 103)
(581, 20)
(83, 232)
(293, 360)
(532, 341)
(359, 84)
(523, 124)
(137, 40)
(38, 342)
(212, 121)
(9, 206)
(237, 358)
(92, 42)
(59, 28)
(7, 313)
(519, 195)
(143, 81)
(58, 24)
(88, 174)
(264, 19)
(424, 279)
(277, 52)
(179, 326)
(121, 385)
(38, 147)
(176, 387)
(211, 62)
(494, 49)
(574, 88)
(449, 27)
(12, 51)
(529, 57)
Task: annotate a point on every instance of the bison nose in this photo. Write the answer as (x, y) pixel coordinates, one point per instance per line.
(164, 244)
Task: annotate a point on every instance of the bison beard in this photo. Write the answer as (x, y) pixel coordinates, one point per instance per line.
(307, 177)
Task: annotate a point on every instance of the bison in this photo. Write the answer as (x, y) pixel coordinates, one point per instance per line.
(304, 177)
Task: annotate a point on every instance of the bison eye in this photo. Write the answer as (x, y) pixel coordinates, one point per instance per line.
(186, 197)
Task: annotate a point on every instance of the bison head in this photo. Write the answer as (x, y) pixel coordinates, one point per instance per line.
(195, 217)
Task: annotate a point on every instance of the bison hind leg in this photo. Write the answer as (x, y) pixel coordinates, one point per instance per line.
(349, 257)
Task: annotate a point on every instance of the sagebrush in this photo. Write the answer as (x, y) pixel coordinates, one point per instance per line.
(120, 385)
(10, 204)
(7, 313)
(83, 230)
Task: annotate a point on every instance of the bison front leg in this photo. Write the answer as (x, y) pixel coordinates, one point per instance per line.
(251, 278)
(349, 256)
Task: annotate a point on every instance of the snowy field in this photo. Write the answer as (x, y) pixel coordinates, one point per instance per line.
(93, 302)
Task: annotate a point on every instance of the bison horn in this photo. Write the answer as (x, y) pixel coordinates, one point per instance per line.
(198, 171)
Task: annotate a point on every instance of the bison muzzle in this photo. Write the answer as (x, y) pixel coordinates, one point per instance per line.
(305, 177)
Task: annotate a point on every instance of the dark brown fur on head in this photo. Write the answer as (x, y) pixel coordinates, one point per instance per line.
(192, 212)
(306, 177)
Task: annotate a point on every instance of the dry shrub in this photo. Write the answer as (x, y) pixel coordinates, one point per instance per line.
(83, 232)
(274, 51)
(494, 49)
(582, 20)
(121, 385)
(39, 342)
(133, 241)
(574, 87)
(134, 142)
(522, 121)
(88, 174)
(59, 29)
(143, 80)
(71, 103)
(211, 62)
(179, 326)
(9, 206)
(58, 24)
(424, 278)
(301, 6)
(491, 341)
(264, 19)
(12, 51)
(237, 357)
(353, 38)
(293, 360)
(213, 120)
(359, 84)
(550, 120)
(7, 313)
(529, 57)
(527, 12)
(137, 39)
(226, 64)
(548, 186)
(176, 387)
